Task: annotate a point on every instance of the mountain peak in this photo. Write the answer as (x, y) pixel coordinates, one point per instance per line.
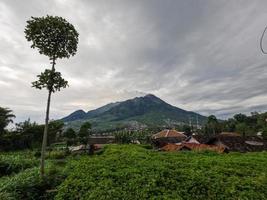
(78, 114)
(151, 96)
(154, 98)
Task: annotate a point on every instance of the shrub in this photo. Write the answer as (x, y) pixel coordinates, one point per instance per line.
(29, 185)
(16, 162)
(56, 155)
(132, 172)
(24, 185)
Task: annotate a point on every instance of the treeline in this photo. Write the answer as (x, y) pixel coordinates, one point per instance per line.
(254, 124)
(28, 135)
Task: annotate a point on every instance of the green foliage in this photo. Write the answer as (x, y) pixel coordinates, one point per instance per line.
(29, 185)
(28, 135)
(25, 181)
(56, 155)
(70, 133)
(85, 130)
(55, 130)
(240, 118)
(6, 117)
(241, 128)
(24, 185)
(53, 36)
(51, 80)
(15, 162)
(212, 126)
(132, 172)
(246, 125)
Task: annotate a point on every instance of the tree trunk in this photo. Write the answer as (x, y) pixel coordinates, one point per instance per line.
(45, 134)
(44, 143)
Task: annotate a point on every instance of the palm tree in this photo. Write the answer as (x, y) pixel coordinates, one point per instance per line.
(6, 117)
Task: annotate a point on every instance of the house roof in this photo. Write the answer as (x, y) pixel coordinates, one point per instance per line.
(169, 133)
(235, 142)
(192, 139)
(229, 134)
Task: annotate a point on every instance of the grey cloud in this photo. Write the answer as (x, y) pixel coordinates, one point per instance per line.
(199, 55)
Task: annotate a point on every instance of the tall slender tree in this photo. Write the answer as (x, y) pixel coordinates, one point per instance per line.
(56, 38)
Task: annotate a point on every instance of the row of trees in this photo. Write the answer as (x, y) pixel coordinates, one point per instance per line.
(29, 134)
(240, 123)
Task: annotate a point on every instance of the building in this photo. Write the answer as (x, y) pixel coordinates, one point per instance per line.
(230, 140)
(107, 139)
(235, 142)
(167, 136)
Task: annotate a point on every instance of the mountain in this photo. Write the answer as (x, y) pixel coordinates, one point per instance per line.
(80, 114)
(135, 113)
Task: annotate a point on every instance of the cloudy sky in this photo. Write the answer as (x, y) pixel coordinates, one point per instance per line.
(202, 56)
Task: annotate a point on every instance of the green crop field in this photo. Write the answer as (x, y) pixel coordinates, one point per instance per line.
(133, 172)
(136, 172)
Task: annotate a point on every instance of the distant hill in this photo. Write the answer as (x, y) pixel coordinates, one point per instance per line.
(134, 113)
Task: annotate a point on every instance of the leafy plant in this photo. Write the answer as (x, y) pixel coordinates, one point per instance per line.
(133, 172)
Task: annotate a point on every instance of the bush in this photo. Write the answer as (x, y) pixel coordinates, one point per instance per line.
(24, 185)
(37, 154)
(29, 185)
(132, 172)
(56, 154)
(16, 162)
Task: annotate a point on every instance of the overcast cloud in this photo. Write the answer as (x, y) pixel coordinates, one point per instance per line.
(202, 56)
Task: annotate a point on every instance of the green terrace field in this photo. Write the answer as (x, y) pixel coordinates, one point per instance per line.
(139, 172)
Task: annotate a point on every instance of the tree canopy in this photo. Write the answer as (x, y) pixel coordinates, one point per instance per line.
(70, 133)
(51, 80)
(53, 36)
(85, 129)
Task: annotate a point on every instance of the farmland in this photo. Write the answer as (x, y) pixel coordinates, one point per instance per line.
(136, 172)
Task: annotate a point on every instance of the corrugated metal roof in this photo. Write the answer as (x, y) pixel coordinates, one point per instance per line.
(192, 146)
(169, 133)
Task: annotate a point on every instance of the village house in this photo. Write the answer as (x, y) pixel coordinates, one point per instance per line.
(230, 140)
(167, 136)
(235, 142)
(171, 140)
(106, 139)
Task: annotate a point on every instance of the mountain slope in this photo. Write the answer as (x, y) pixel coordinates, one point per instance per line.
(140, 111)
(80, 114)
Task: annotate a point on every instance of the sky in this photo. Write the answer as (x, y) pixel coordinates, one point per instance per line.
(202, 56)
